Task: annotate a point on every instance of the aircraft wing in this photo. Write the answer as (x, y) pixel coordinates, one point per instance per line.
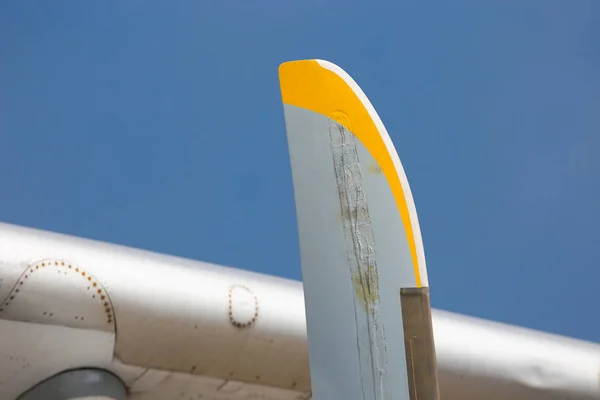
(76, 311)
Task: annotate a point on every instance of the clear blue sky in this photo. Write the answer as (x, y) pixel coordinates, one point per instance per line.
(160, 126)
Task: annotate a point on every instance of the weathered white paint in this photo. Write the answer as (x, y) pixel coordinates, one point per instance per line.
(353, 263)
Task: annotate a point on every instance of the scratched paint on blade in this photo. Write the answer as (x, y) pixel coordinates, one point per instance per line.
(355, 215)
(360, 247)
(366, 287)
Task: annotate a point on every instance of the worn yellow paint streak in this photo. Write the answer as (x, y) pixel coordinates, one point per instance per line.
(373, 168)
(366, 287)
(309, 85)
